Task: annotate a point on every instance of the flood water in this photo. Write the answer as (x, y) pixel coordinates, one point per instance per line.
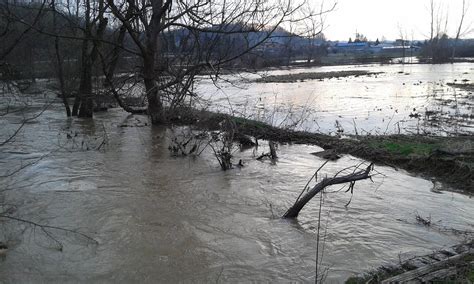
(407, 99)
(159, 218)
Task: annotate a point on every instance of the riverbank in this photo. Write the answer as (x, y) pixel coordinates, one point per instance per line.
(447, 159)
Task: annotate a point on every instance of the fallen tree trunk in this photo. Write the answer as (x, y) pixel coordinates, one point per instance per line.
(352, 178)
(431, 272)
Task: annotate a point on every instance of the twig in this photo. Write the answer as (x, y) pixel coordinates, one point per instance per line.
(44, 227)
(23, 123)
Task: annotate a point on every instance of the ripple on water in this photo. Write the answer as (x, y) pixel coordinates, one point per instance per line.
(157, 217)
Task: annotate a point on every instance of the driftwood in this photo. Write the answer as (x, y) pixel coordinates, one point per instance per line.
(430, 272)
(350, 178)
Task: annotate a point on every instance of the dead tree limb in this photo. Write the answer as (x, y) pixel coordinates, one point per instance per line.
(45, 229)
(351, 178)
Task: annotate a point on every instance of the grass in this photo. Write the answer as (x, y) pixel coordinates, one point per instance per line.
(406, 148)
(470, 275)
(470, 270)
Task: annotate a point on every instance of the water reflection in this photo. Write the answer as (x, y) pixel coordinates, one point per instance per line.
(404, 99)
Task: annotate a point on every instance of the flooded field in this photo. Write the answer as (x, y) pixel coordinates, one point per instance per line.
(159, 218)
(406, 99)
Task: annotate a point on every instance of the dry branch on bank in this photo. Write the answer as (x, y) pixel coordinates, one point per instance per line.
(351, 178)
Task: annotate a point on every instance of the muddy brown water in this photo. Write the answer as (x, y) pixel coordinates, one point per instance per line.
(406, 99)
(159, 218)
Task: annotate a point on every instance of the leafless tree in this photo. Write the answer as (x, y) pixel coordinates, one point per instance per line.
(178, 40)
(10, 32)
(461, 29)
(403, 36)
(94, 27)
(438, 43)
(315, 23)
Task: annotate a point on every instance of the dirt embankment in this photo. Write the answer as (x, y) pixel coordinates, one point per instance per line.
(291, 78)
(448, 159)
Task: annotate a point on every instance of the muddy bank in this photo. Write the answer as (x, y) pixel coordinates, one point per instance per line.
(454, 264)
(448, 159)
(291, 78)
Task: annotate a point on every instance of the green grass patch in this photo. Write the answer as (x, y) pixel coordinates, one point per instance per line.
(470, 275)
(406, 148)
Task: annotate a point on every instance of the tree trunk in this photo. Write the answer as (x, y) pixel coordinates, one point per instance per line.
(78, 109)
(155, 107)
(85, 90)
(109, 70)
(83, 96)
(79, 94)
(60, 64)
(152, 48)
(89, 58)
(61, 78)
(273, 153)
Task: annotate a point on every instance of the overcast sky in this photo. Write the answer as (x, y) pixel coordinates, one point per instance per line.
(378, 18)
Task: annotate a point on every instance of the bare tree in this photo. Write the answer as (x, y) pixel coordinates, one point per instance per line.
(10, 32)
(438, 43)
(315, 24)
(403, 36)
(177, 40)
(94, 27)
(59, 61)
(461, 30)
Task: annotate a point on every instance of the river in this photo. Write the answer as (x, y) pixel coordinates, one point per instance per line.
(159, 218)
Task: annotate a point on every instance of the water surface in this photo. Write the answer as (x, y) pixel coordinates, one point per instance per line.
(160, 218)
(403, 99)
